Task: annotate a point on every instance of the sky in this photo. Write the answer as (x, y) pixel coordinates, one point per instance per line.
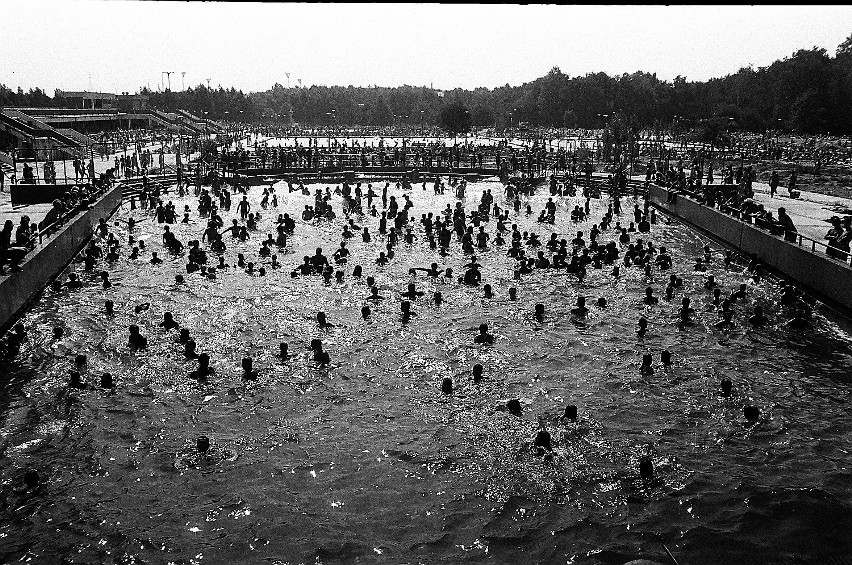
(123, 45)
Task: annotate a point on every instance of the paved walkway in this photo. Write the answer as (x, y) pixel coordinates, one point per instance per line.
(36, 212)
(810, 212)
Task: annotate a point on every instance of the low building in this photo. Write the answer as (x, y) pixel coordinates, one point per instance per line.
(87, 100)
(132, 102)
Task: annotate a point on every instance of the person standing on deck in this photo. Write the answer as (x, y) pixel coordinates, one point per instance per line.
(773, 184)
(77, 167)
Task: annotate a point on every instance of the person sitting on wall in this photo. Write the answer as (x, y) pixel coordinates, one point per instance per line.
(10, 253)
(52, 215)
(786, 224)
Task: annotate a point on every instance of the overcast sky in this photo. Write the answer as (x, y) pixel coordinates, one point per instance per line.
(122, 45)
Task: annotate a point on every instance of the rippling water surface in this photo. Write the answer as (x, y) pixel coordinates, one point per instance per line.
(368, 462)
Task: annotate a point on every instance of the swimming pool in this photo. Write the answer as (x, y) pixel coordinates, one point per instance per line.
(367, 461)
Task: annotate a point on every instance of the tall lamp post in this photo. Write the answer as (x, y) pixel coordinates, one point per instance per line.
(333, 115)
(603, 118)
(777, 136)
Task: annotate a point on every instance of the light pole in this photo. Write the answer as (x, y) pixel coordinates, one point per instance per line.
(777, 136)
(603, 118)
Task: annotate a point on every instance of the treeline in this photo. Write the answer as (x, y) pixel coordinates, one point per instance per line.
(34, 98)
(807, 92)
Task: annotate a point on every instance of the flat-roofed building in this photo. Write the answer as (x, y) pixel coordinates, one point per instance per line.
(87, 100)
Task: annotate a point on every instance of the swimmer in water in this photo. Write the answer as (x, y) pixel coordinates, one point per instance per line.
(646, 369)
(107, 381)
(685, 311)
(433, 271)
(570, 413)
(484, 336)
(75, 381)
(374, 294)
(472, 276)
(726, 387)
(320, 356)
(539, 312)
(136, 339)
(643, 327)
(758, 318)
(514, 408)
(249, 374)
(477, 373)
(412, 293)
(650, 299)
(405, 306)
(322, 322)
(488, 292)
(73, 281)
(580, 310)
(169, 322)
(726, 322)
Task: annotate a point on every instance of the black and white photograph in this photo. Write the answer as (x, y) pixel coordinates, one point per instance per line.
(414, 284)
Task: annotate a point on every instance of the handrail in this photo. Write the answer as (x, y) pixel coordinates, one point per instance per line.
(843, 256)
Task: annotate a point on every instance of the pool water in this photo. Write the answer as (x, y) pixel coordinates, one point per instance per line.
(366, 461)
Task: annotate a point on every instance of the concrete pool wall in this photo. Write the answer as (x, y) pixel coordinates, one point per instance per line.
(51, 257)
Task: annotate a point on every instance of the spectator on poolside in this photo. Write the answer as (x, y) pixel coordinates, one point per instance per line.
(52, 215)
(9, 253)
(28, 174)
(786, 223)
(791, 185)
(832, 237)
(845, 239)
(25, 232)
(773, 184)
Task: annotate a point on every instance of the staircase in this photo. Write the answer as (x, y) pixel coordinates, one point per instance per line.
(38, 127)
(82, 139)
(210, 124)
(7, 165)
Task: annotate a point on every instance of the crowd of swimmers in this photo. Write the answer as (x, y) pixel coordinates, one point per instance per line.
(608, 246)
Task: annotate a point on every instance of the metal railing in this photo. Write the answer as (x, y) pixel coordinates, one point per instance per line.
(44, 230)
(803, 241)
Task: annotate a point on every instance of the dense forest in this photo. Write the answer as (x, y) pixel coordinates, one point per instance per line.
(807, 92)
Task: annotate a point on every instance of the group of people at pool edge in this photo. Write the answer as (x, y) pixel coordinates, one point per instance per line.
(398, 229)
